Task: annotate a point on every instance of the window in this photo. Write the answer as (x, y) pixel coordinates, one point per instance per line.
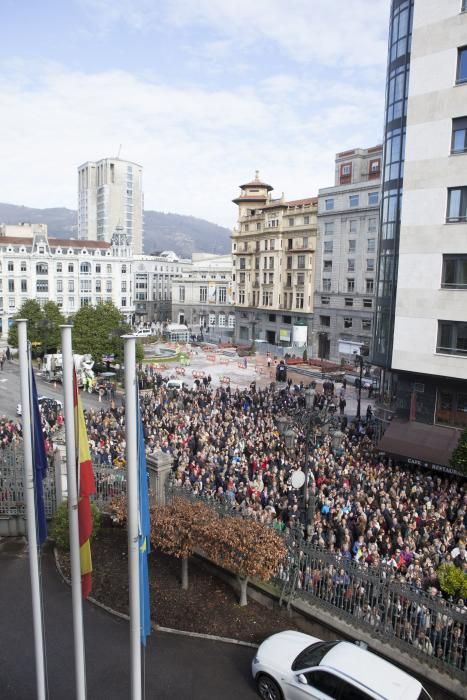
(23, 266)
(123, 269)
(328, 246)
(24, 286)
(454, 275)
(325, 320)
(291, 221)
(203, 294)
(98, 286)
(459, 135)
(71, 267)
(241, 296)
(10, 266)
(289, 262)
(231, 321)
(373, 198)
(464, 6)
(123, 289)
(348, 322)
(325, 301)
(301, 262)
(375, 167)
(11, 302)
(369, 286)
(222, 295)
(60, 302)
(350, 284)
(258, 226)
(327, 265)
(352, 245)
(305, 242)
(212, 319)
(366, 324)
(462, 64)
(451, 408)
(452, 337)
(271, 244)
(329, 204)
(350, 265)
(109, 269)
(59, 267)
(42, 285)
(348, 301)
(42, 269)
(329, 228)
(221, 320)
(326, 284)
(299, 300)
(306, 220)
(324, 682)
(353, 200)
(370, 265)
(371, 246)
(368, 303)
(60, 286)
(353, 226)
(300, 279)
(11, 285)
(457, 205)
(246, 227)
(372, 225)
(108, 286)
(71, 302)
(85, 268)
(289, 243)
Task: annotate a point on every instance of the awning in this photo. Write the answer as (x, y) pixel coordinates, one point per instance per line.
(419, 443)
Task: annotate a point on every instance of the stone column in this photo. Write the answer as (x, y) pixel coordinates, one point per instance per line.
(159, 468)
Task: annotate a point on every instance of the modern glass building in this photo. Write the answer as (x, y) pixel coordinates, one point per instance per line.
(397, 84)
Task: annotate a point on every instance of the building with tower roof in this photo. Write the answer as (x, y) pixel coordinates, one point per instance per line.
(273, 248)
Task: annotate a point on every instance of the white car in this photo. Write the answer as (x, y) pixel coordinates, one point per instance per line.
(56, 404)
(143, 332)
(294, 666)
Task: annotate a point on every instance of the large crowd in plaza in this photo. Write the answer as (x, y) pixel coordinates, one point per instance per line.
(226, 446)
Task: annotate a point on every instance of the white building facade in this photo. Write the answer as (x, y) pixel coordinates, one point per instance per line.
(154, 277)
(110, 194)
(202, 297)
(430, 330)
(346, 255)
(70, 272)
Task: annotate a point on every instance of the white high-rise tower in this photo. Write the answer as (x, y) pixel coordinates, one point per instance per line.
(110, 194)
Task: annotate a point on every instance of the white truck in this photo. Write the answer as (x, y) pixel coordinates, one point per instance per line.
(52, 368)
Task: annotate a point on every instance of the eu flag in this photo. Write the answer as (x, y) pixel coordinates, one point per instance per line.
(40, 463)
(144, 534)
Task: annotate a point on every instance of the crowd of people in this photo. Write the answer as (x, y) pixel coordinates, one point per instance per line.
(226, 445)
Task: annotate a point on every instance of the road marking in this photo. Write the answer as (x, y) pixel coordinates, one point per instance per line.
(3, 380)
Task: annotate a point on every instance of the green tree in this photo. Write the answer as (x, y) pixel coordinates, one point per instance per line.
(97, 330)
(459, 456)
(30, 310)
(452, 580)
(50, 328)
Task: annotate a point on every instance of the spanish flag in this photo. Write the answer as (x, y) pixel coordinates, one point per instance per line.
(86, 487)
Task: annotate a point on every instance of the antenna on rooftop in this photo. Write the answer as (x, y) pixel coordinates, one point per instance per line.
(119, 151)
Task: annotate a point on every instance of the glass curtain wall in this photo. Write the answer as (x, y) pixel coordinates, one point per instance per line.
(397, 82)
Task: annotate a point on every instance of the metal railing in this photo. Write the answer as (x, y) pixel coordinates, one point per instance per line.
(369, 597)
(12, 486)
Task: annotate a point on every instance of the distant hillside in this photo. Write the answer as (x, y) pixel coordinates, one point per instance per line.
(183, 234)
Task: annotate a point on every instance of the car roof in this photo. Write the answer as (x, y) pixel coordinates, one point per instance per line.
(371, 672)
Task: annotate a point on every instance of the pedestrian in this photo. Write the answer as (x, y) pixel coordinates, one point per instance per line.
(369, 412)
(8, 353)
(245, 362)
(269, 362)
(370, 390)
(2, 361)
(344, 383)
(342, 405)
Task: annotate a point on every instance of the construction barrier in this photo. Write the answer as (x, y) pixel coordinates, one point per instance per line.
(224, 361)
(241, 365)
(260, 370)
(180, 370)
(198, 374)
(211, 358)
(162, 367)
(225, 380)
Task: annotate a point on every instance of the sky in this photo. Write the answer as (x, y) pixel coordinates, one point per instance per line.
(201, 93)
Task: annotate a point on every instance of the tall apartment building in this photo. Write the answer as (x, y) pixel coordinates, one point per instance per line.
(346, 255)
(273, 249)
(110, 194)
(423, 243)
(202, 297)
(72, 273)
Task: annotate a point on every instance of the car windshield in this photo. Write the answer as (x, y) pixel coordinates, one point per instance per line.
(424, 695)
(312, 655)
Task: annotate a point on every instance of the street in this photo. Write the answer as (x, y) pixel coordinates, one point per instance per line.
(176, 666)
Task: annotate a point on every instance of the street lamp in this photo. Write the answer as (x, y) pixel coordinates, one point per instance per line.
(359, 362)
(314, 422)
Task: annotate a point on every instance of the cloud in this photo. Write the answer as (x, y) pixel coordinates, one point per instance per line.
(348, 33)
(196, 144)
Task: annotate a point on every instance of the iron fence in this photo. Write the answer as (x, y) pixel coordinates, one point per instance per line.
(368, 597)
(110, 483)
(12, 484)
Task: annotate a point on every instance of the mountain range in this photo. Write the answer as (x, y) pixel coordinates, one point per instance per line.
(183, 234)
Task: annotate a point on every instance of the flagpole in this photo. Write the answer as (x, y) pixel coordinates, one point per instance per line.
(70, 440)
(31, 508)
(132, 509)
